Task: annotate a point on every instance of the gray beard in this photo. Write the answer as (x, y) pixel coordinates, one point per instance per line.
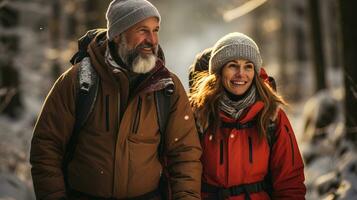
(135, 61)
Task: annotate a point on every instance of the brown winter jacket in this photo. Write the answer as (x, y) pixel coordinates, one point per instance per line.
(116, 155)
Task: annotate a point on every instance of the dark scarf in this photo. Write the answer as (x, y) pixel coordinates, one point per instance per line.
(233, 108)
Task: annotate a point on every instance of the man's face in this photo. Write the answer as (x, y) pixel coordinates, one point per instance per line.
(143, 36)
(139, 44)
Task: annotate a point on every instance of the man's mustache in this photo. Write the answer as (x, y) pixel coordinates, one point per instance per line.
(147, 45)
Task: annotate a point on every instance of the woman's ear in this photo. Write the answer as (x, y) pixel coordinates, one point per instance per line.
(116, 39)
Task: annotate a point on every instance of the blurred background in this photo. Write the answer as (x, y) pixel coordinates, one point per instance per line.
(308, 46)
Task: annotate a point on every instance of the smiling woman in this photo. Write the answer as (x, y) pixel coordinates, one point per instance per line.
(249, 147)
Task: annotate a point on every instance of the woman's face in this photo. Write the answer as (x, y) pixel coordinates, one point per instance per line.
(237, 76)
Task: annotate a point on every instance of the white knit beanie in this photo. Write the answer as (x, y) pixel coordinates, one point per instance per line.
(122, 14)
(231, 47)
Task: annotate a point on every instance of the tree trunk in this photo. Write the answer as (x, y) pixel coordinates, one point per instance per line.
(348, 16)
(318, 53)
(11, 100)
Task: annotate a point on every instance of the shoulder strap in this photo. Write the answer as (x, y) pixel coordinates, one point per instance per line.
(271, 137)
(163, 104)
(88, 82)
(237, 125)
(88, 90)
(86, 96)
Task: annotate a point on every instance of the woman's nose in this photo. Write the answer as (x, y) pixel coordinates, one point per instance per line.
(239, 72)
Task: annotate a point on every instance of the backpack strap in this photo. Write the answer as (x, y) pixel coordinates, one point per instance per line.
(88, 91)
(163, 104)
(86, 96)
(236, 125)
(217, 192)
(271, 137)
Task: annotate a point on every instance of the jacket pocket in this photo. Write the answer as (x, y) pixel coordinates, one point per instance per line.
(107, 114)
(250, 149)
(137, 117)
(143, 163)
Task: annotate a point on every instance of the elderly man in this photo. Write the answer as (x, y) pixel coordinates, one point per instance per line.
(117, 154)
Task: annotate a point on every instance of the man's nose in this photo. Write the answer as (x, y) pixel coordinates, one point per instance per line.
(152, 38)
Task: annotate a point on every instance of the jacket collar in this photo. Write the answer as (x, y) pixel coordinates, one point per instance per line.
(158, 79)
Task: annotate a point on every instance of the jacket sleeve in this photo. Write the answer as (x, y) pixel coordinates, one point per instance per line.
(53, 128)
(286, 165)
(183, 148)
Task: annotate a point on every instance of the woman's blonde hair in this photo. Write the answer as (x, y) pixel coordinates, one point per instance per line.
(207, 90)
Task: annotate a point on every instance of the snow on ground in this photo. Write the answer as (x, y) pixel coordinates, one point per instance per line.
(15, 176)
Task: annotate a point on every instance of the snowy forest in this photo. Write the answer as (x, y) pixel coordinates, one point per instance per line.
(308, 46)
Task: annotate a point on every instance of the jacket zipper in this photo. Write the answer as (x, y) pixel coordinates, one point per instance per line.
(118, 115)
(292, 145)
(116, 137)
(221, 152)
(137, 117)
(250, 149)
(107, 112)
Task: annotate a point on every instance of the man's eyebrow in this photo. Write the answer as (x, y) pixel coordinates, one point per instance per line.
(140, 27)
(144, 26)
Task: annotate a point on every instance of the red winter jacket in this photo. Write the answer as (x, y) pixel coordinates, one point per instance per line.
(236, 156)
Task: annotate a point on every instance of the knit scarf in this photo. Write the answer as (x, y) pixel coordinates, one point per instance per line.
(236, 108)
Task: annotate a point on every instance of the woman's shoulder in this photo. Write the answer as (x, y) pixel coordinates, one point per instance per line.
(281, 118)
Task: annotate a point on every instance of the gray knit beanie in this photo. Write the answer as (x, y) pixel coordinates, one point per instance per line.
(234, 46)
(122, 14)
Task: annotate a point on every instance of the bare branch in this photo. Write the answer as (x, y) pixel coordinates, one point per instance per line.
(3, 3)
(6, 95)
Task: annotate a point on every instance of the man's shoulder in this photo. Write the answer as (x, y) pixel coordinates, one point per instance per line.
(179, 88)
(68, 77)
(176, 80)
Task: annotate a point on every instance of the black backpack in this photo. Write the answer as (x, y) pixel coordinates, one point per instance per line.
(87, 93)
